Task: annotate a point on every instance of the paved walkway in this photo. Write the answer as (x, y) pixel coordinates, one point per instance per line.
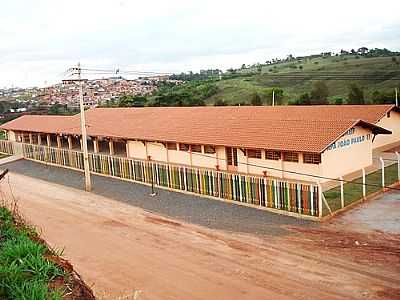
(188, 208)
(10, 159)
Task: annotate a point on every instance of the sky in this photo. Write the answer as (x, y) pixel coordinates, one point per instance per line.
(40, 39)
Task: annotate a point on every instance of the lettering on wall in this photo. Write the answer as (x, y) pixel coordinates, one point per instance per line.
(349, 139)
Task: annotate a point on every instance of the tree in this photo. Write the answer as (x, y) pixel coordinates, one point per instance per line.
(356, 94)
(319, 93)
(279, 94)
(255, 100)
(386, 97)
(304, 99)
(220, 102)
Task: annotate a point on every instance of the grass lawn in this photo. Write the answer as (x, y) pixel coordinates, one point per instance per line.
(25, 271)
(353, 191)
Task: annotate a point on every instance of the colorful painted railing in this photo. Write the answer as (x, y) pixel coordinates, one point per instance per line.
(298, 198)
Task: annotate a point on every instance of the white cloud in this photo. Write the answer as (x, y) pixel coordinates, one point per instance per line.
(42, 38)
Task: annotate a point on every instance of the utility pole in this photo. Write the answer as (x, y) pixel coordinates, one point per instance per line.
(88, 184)
(273, 97)
(397, 100)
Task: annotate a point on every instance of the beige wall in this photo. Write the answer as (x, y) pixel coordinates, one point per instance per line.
(348, 155)
(221, 157)
(284, 165)
(11, 135)
(179, 157)
(157, 151)
(137, 149)
(343, 157)
(205, 160)
(392, 124)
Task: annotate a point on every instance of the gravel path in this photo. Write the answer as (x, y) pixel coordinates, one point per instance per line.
(192, 209)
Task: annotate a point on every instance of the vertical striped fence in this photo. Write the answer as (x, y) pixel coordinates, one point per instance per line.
(300, 198)
(6, 147)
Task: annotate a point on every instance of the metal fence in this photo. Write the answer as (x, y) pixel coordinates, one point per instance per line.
(298, 198)
(359, 185)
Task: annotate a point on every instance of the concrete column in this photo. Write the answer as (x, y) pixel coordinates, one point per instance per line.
(383, 171)
(81, 143)
(96, 145)
(30, 138)
(48, 140)
(69, 142)
(127, 149)
(216, 157)
(190, 155)
(320, 195)
(398, 165)
(247, 161)
(39, 139)
(59, 145)
(111, 146)
(167, 152)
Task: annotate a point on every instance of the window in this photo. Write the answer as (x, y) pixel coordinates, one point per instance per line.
(272, 155)
(311, 158)
(184, 147)
(209, 149)
(195, 148)
(291, 156)
(252, 153)
(172, 146)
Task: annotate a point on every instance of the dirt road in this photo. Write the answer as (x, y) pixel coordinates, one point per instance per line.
(120, 249)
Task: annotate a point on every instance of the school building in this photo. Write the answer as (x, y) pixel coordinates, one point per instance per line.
(286, 142)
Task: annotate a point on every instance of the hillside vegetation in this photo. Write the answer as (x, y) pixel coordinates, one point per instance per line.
(350, 77)
(261, 80)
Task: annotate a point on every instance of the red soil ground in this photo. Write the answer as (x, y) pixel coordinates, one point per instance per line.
(121, 250)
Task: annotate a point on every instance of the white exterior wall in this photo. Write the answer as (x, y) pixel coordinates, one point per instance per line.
(348, 154)
(392, 124)
(136, 150)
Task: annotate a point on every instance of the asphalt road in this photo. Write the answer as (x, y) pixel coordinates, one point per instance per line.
(192, 209)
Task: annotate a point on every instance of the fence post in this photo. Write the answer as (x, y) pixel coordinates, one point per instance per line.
(341, 192)
(398, 165)
(319, 200)
(383, 171)
(364, 182)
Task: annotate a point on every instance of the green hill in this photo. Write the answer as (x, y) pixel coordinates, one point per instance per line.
(316, 79)
(376, 74)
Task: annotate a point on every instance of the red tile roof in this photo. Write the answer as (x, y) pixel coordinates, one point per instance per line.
(292, 128)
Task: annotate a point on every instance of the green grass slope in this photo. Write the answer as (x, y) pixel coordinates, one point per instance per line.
(260, 79)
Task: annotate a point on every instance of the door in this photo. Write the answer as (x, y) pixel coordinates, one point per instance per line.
(231, 159)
